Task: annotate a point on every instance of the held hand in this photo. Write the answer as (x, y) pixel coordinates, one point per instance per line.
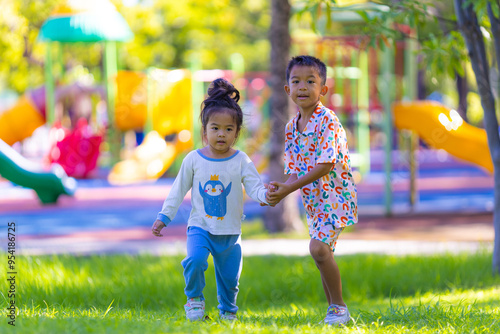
(280, 191)
(270, 188)
(157, 227)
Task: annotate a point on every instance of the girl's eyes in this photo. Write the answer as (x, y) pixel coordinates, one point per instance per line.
(216, 128)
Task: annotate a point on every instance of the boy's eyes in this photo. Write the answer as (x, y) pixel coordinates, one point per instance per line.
(308, 81)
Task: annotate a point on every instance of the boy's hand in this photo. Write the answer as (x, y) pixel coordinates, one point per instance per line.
(270, 188)
(157, 227)
(280, 191)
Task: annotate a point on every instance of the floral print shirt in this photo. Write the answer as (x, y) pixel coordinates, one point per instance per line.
(332, 198)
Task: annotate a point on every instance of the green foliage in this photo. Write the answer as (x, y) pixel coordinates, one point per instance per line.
(144, 294)
(21, 57)
(447, 54)
(167, 35)
(433, 23)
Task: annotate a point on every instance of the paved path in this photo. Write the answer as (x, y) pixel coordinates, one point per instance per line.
(453, 214)
(410, 234)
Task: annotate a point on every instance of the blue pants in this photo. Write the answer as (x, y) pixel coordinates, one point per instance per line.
(226, 252)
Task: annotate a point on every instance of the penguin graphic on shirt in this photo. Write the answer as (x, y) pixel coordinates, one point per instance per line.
(215, 197)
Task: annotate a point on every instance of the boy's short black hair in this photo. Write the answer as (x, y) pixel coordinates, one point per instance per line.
(307, 61)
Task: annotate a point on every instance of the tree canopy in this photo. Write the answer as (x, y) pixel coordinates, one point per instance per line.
(166, 33)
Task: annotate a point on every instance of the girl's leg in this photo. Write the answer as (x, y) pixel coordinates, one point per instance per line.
(227, 263)
(330, 274)
(195, 264)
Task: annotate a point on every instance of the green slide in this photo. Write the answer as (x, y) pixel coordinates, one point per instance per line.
(47, 184)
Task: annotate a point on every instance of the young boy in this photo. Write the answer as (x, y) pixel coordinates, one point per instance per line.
(317, 160)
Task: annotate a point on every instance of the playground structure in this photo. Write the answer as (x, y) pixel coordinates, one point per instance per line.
(161, 104)
(442, 128)
(77, 150)
(48, 184)
(368, 88)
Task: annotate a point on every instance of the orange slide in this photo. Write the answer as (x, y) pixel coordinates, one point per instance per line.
(443, 128)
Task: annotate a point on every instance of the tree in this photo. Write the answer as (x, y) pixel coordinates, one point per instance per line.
(285, 216)
(470, 28)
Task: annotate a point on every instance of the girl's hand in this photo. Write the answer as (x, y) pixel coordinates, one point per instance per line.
(157, 227)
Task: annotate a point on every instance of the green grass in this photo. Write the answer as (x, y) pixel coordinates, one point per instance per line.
(278, 294)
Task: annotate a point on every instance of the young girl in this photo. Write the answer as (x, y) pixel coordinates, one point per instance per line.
(214, 174)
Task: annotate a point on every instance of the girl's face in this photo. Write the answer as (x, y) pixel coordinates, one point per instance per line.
(221, 132)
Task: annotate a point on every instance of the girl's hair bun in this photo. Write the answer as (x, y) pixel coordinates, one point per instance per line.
(222, 96)
(223, 89)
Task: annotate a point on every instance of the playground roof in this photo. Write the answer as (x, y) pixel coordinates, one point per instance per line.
(349, 11)
(85, 21)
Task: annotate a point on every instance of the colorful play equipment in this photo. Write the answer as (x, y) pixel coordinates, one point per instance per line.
(160, 104)
(442, 128)
(48, 184)
(16, 124)
(88, 21)
(19, 122)
(352, 78)
(367, 82)
(73, 21)
(394, 79)
(76, 150)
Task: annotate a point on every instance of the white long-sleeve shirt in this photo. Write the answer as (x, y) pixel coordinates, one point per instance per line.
(216, 191)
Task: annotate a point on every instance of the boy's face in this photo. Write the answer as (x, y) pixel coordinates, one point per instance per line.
(305, 87)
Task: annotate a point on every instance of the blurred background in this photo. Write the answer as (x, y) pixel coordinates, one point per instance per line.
(100, 102)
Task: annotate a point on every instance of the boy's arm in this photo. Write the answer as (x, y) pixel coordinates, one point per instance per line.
(293, 183)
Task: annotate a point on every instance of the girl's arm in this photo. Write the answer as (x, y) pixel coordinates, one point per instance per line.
(253, 184)
(293, 183)
(182, 184)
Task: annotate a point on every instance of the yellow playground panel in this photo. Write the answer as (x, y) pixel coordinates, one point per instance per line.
(131, 100)
(19, 122)
(171, 101)
(168, 102)
(443, 128)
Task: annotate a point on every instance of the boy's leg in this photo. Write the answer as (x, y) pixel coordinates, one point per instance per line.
(330, 274)
(325, 288)
(227, 263)
(195, 264)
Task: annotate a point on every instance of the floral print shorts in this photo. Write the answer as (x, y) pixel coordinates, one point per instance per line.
(325, 232)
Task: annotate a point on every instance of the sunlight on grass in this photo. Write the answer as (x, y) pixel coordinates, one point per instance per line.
(144, 294)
